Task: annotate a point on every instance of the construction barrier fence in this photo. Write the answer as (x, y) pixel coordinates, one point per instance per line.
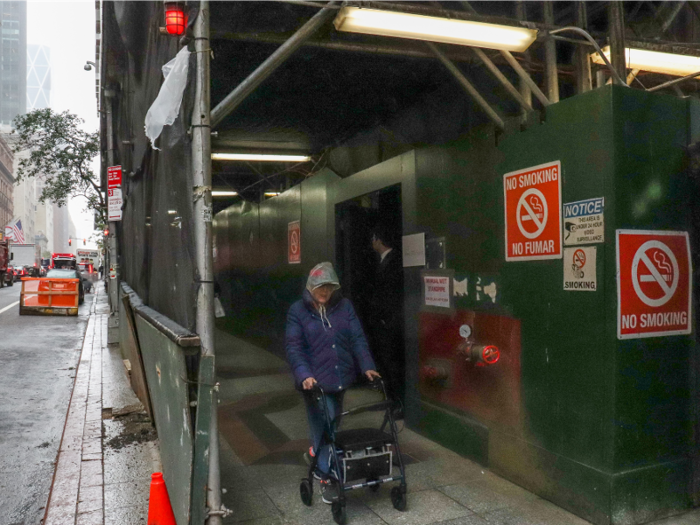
(49, 296)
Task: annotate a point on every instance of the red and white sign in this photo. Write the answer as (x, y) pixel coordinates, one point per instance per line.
(114, 204)
(293, 242)
(533, 213)
(654, 283)
(114, 176)
(437, 291)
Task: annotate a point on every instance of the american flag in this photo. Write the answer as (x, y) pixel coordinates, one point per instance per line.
(16, 232)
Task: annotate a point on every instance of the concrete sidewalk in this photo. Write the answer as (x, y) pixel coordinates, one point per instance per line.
(108, 449)
(264, 434)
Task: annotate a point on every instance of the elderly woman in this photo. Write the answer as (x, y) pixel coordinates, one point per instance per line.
(325, 345)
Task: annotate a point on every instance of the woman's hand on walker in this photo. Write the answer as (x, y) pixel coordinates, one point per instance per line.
(308, 383)
(372, 375)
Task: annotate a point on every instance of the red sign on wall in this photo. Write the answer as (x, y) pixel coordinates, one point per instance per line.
(294, 243)
(114, 176)
(654, 283)
(533, 213)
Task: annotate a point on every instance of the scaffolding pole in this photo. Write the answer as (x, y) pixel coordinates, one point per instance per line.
(201, 164)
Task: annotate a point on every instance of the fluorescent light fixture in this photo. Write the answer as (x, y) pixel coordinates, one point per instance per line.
(221, 193)
(172, 212)
(271, 193)
(260, 157)
(434, 29)
(666, 63)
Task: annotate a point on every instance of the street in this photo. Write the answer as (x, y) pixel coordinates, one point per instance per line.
(38, 355)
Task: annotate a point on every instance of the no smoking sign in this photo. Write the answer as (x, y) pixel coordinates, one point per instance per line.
(654, 284)
(293, 242)
(533, 213)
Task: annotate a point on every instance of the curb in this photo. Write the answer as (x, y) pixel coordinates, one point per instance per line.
(77, 491)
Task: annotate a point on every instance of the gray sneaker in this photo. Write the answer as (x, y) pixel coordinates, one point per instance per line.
(329, 490)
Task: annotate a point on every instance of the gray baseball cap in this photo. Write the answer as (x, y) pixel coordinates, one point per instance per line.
(322, 273)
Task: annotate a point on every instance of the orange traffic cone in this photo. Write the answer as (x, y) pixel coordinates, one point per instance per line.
(160, 512)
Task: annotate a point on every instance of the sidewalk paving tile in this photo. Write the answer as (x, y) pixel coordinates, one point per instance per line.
(91, 474)
(248, 505)
(127, 494)
(90, 499)
(91, 518)
(471, 519)
(134, 515)
(423, 508)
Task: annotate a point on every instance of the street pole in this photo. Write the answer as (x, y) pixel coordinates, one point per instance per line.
(112, 334)
(201, 159)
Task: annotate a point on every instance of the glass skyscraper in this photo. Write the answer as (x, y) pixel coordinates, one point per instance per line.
(38, 77)
(13, 60)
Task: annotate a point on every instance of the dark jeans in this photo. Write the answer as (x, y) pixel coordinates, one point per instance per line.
(317, 424)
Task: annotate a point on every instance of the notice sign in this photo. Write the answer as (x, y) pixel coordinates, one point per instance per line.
(580, 269)
(583, 222)
(437, 290)
(114, 204)
(533, 213)
(294, 242)
(654, 283)
(114, 176)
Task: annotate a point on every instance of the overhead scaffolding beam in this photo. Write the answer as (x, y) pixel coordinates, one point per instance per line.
(550, 53)
(502, 79)
(245, 88)
(468, 87)
(404, 50)
(616, 24)
(525, 76)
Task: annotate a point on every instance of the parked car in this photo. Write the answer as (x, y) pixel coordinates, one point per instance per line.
(20, 271)
(61, 273)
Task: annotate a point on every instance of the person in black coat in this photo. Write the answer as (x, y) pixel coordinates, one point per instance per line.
(386, 319)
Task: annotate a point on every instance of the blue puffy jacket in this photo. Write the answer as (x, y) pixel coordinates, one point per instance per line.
(330, 349)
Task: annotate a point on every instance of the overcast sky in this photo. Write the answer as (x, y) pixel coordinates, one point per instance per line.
(68, 28)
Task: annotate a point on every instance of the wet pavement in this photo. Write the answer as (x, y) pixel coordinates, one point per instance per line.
(38, 356)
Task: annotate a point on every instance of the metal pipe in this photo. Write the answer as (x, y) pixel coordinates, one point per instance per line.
(469, 88)
(354, 47)
(550, 53)
(526, 78)
(264, 70)
(202, 220)
(616, 28)
(112, 283)
(525, 91)
(580, 31)
(695, 8)
(583, 63)
(672, 16)
(674, 82)
(502, 79)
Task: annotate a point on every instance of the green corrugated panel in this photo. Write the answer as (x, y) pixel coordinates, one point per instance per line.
(206, 403)
(164, 364)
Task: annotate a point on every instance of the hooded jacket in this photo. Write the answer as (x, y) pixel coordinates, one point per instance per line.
(331, 347)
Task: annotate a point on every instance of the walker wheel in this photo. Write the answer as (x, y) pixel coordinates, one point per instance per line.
(398, 498)
(306, 492)
(339, 515)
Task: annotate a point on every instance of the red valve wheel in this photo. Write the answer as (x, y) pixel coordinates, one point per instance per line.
(490, 354)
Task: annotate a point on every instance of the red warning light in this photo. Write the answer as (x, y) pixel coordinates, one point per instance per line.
(175, 18)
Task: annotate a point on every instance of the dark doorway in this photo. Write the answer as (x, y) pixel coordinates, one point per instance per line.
(358, 263)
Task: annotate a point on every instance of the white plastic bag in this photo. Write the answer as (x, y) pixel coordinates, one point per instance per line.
(166, 107)
(218, 308)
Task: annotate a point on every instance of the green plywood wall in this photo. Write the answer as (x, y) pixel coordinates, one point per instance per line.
(606, 424)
